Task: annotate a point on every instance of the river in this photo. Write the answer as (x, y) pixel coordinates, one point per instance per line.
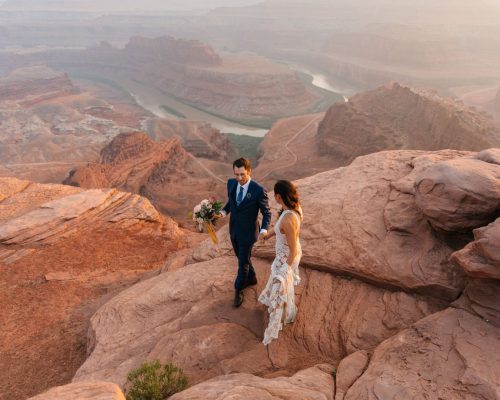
(165, 106)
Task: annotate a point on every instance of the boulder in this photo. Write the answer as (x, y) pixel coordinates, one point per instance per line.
(57, 218)
(83, 391)
(462, 193)
(481, 258)
(448, 355)
(348, 371)
(314, 383)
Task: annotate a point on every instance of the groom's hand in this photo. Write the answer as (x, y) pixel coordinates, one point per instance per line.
(263, 237)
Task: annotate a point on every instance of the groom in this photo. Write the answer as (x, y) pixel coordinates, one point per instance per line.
(245, 198)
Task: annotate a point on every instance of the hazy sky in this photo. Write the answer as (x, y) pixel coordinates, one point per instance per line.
(121, 5)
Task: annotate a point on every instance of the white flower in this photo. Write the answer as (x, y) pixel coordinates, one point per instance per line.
(200, 221)
(205, 202)
(197, 208)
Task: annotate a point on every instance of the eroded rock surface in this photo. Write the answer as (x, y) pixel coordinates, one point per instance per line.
(377, 282)
(63, 252)
(185, 316)
(164, 172)
(461, 194)
(83, 391)
(363, 220)
(348, 371)
(310, 384)
(449, 355)
(399, 117)
(481, 258)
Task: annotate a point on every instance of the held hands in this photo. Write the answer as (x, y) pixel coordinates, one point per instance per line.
(263, 237)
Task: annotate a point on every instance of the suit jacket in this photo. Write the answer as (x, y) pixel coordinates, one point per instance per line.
(244, 224)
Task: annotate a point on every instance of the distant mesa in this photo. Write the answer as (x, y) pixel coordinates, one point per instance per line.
(243, 88)
(172, 50)
(49, 125)
(31, 85)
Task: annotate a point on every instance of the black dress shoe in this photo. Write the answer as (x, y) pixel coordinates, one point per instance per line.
(252, 281)
(238, 298)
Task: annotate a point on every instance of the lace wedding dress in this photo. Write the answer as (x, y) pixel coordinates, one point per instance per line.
(279, 294)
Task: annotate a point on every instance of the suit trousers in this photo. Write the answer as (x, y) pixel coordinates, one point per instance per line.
(245, 268)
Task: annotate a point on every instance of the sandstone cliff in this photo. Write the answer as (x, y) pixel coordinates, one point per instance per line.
(63, 252)
(398, 117)
(389, 117)
(31, 85)
(173, 179)
(384, 300)
(198, 138)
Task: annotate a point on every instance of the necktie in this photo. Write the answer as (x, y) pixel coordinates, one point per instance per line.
(239, 199)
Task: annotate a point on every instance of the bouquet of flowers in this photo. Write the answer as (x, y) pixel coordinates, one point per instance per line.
(204, 214)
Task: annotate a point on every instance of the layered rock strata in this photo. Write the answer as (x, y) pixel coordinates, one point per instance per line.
(173, 179)
(390, 117)
(63, 252)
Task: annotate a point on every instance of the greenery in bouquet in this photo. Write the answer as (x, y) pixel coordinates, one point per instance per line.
(206, 210)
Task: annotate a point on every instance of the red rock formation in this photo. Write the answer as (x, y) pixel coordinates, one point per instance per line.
(481, 258)
(379, 297)
(398, 117)
(199, 138)
(171, 51)
(37, 90)
(61, 250)
(243, 87)
(166, 173)
(390, 117)
(460, 194)
(49, 126)
(432, 354)
(289, 151)
(83, 391)
(127, 146)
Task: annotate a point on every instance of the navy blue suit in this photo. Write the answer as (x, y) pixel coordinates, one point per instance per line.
(244, 225)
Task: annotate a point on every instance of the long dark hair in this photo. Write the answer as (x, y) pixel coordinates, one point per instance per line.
(289, 194)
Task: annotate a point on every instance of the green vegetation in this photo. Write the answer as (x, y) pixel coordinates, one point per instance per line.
(262, 123)
(100, 79)
(152, 381)
(246, 146)
(173, 111)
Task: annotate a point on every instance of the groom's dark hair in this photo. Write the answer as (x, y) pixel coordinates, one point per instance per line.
(242, 162)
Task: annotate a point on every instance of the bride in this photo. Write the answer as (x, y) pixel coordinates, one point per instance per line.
(279, 294)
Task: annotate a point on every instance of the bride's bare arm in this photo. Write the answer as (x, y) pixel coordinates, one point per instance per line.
(289, 228)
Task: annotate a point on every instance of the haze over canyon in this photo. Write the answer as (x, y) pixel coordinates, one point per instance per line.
(118, 117)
